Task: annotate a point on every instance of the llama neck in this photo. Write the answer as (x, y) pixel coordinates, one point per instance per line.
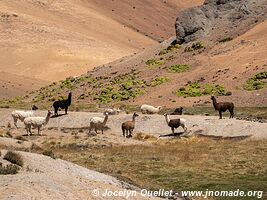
(47, 118)
(105, 119)
(133, 120)
(167, 119)
(215, 104)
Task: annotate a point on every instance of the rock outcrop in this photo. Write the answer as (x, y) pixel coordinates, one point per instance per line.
(219, 19)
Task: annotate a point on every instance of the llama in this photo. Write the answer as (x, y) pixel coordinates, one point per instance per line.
(128, 126)
(147, 109)
(223, 106)
(98, 123)
(175, 123)
(177, 111)
(63, 104)
(21, 114)
(112, 111)
(36, 122)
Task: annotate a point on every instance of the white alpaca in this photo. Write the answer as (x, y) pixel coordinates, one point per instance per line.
(147, 109)
(112, 111)
(22, 114)
(36, 122)
(98, 123)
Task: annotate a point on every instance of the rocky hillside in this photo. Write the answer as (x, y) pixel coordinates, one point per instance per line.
(217, 19)
(172, 75)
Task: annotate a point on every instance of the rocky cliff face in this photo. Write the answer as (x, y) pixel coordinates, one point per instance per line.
(219, 19)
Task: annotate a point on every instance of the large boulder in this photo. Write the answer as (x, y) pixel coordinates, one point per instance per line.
(222, 17)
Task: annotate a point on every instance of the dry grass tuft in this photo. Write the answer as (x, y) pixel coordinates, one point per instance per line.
(144, 137)
(49, 153)
(9, 169)
(14, 158)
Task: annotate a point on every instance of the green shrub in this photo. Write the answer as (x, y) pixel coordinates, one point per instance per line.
(191, 90)
(9, 169)
(158, 81)
(154, 62)
(196, 90)
(195, 46)
(49, 153)
(14, 158)
(179, 68)
(257, 82)
(123, 88)
(170, 48)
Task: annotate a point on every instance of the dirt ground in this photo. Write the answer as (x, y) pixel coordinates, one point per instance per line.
(45, 177)
(150, 124)
(42, 177)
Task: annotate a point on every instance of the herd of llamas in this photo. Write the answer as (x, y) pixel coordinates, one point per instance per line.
(98, 123)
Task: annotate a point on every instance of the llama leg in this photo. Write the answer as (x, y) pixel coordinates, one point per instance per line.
(231, 113)
(102, 130)
(172, 130)
(123, 132)
(30, 130)
(66, 110)
(184, 127)
(27, 131)
(131, 131)
(96, 130)
(15, 122)
(220, 113)
(56, 109)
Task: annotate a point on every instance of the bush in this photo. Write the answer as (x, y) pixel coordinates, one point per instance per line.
(14, 158)
(256, 82)
(179, 68)
(9, 169)
(122, 89)
(158, 81)
(196, 90)
(49, 153)
(195, 46)
(154, 62)
(170, 48)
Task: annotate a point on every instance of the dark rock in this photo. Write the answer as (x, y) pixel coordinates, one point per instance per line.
(219, 16)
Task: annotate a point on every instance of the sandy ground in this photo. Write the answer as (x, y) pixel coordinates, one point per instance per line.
(153, 124)
(42, 177)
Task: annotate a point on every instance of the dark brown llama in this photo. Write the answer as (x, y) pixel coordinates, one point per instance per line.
(128, 126)
(223, 106)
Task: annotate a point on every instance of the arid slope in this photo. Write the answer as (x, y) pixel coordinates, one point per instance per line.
(229, 64)
(51, 40)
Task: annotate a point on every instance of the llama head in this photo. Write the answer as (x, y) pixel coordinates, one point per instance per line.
(34, 107)
(165, 114)
(49, 112)
(135, 115)
(212, 98)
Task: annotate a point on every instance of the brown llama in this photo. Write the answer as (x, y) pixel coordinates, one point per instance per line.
(128, 126)
(223, 106)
